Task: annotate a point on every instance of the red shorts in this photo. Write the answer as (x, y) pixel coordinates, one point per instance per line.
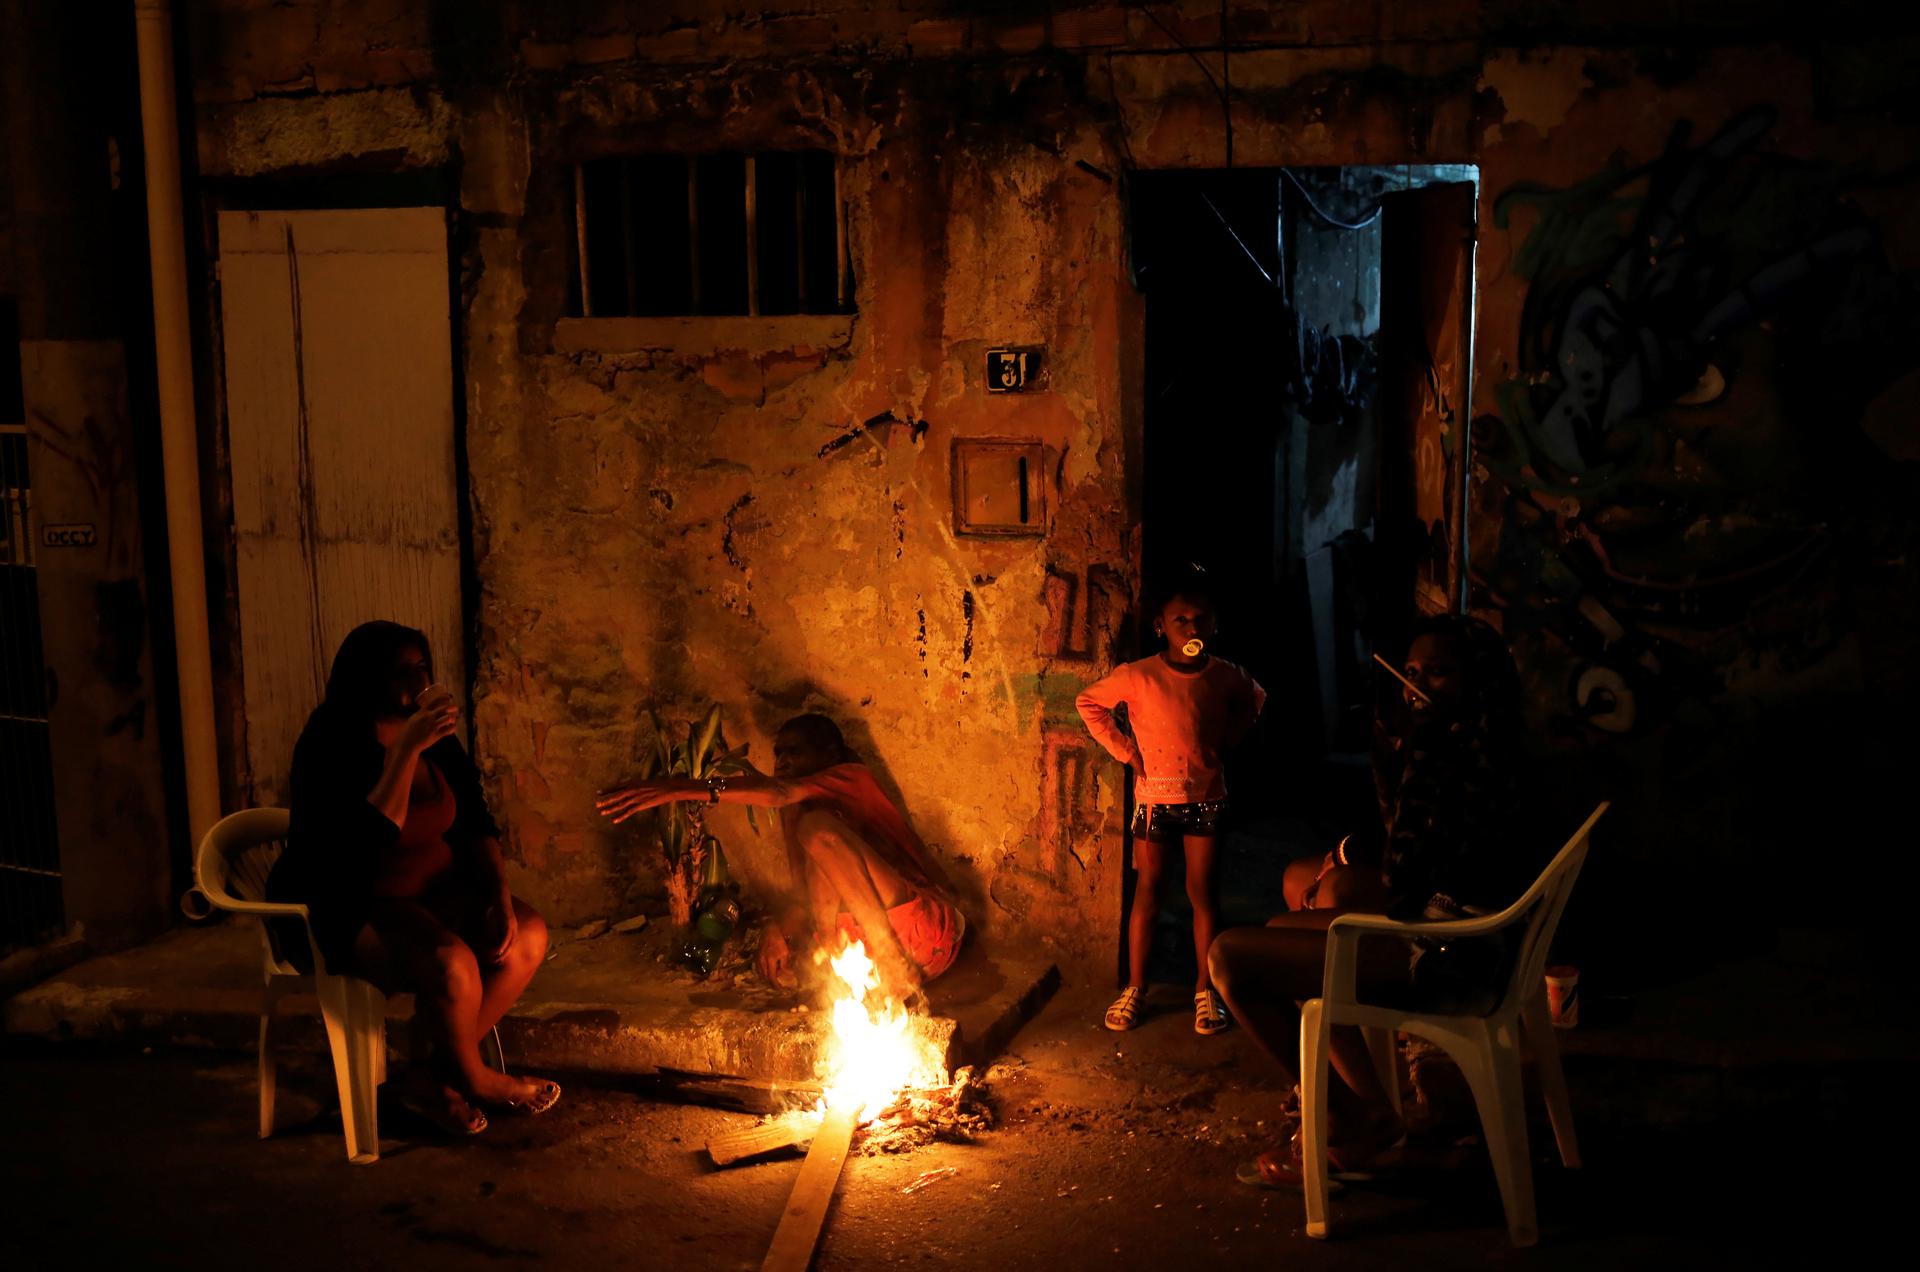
(928, 929)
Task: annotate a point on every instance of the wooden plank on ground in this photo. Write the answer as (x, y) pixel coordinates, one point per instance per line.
(806, 1212)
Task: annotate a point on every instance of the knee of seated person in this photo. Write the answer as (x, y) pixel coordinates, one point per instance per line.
(1345, 887)
(531, 943)
(1297, 880)
(820, 831)
(1223, 960)
(451, 970)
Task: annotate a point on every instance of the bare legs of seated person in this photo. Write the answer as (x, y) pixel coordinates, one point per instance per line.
(845, 875)
(1265, 973)
(459, 997)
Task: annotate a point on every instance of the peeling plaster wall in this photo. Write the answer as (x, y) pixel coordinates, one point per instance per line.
(759, 517)
(766, 524)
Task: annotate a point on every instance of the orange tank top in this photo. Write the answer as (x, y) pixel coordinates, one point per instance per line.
(422, 855)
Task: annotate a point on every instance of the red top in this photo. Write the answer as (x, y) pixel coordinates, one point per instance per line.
(849, 791)
(1181, 719)
(422, 854)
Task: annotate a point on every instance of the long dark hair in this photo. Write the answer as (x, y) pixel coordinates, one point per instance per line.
(357, 684)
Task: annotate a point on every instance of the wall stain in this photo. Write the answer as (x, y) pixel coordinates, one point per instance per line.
(966, 641)
(726, 537)
(877, 430)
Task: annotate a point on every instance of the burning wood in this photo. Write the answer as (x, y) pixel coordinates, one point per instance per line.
(957, 1111)
(877, 1057)
(915, 1118)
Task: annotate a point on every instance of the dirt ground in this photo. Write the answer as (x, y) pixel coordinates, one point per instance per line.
(1112, 1151)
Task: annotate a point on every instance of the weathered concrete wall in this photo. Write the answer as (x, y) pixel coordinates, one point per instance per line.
(757, 514)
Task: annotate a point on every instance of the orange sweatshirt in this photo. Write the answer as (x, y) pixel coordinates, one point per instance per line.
(1180, 720)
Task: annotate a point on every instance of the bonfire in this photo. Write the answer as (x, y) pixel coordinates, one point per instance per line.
(875, 1052)
(885, 1077)
(885, 1080)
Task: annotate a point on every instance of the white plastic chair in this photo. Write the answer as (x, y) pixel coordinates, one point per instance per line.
(1487, 1048)
(231, 868)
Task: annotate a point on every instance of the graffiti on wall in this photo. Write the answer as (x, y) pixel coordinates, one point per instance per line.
(1069, 797)
(1679, 448)
(1085, 607)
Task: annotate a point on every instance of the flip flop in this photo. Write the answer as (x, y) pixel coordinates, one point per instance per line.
(1278, 1169)
(546, 1094)
(440, 1114)
(1283, 1169)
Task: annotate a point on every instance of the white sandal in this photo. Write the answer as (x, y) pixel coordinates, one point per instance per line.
(1125, 1012)
(1209, 1013)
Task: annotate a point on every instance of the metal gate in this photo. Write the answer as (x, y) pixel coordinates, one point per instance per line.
(30, 907)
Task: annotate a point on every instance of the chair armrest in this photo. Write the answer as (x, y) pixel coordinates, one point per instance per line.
(264, 909)
(1337, 984)
(1379, 923)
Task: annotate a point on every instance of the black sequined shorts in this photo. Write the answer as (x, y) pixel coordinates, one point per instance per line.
(1168, 823)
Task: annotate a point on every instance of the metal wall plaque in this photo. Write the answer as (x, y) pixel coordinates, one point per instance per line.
(998, 487)
(1013, 370)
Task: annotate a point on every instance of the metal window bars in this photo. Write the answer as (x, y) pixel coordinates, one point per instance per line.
(620, 210)
(30, 886)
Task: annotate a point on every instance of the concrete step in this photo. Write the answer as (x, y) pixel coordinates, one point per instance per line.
(608, 1005)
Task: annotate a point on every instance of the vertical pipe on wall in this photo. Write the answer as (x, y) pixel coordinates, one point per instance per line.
(839, 240)
(1463, 588)
(180, 460)
(800, 233)
(753, 241)
(580, 237)
(628, 252)
(693, 233)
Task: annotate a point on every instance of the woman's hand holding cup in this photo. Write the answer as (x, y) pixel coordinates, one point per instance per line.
(435, 716)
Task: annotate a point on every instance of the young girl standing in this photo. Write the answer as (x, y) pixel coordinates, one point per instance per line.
(1183, 708)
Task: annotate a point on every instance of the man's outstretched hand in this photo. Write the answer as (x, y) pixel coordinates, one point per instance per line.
(623, 802)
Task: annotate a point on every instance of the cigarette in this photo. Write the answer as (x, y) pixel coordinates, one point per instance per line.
(1411, 687)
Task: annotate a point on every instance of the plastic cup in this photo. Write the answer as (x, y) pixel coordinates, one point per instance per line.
(1563, 996)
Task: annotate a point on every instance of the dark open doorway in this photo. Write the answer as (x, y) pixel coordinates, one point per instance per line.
(1307, 346)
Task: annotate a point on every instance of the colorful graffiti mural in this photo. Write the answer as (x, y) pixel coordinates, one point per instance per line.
(1678, 449)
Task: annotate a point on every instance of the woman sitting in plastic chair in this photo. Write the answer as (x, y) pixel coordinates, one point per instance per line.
(393, 850)
(1448, 780)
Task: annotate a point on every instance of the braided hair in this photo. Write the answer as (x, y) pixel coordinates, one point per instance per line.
(1494, 694)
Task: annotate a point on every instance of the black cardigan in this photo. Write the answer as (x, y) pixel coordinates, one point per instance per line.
(337, 839)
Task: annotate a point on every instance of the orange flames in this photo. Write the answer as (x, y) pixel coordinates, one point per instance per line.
(875, 1052)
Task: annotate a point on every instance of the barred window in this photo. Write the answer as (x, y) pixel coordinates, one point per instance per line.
(754, 234)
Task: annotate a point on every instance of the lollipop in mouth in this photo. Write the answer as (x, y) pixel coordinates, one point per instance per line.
(1193, 647)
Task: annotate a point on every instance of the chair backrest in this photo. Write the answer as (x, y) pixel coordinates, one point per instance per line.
(1542, 905)
(236, 855)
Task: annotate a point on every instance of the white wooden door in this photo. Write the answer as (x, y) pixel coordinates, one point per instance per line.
(339, 383)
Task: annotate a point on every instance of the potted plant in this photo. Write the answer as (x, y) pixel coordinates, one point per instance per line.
(690, 855)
